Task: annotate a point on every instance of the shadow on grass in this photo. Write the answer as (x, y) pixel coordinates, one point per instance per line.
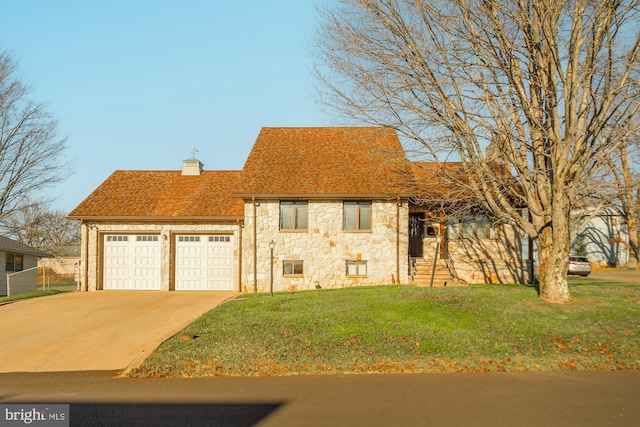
(156, 414)
(579, 281)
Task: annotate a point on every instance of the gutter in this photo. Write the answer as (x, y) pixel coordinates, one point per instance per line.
(157, 218)
(309, 196)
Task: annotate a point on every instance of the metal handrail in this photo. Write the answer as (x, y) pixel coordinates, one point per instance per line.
(412, 266)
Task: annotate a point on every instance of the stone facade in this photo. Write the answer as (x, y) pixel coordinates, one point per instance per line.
(324, 247)
(489, 260)
(93, 235)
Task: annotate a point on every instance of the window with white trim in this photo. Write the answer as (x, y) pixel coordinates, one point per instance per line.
(188, 238)
(14, 262)
(147, 238)
(117, 238)
(219, 238)
(356, 268)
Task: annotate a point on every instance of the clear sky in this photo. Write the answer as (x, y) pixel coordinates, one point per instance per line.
(136, 84)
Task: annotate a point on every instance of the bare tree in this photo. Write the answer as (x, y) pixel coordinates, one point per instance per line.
(37, 225)
(30, 150)
(536, 83)
(626, 176)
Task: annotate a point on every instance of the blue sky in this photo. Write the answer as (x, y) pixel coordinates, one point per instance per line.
(138, 84)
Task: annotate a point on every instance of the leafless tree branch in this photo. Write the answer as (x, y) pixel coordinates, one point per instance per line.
(31, 153)
(540, 82)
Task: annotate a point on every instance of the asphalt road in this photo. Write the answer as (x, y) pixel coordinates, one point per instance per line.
(605, 398)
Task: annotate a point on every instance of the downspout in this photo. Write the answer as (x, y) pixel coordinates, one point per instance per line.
(85, 258)
(240, 226)
(255, 245)
(99, 264)
(398, 240)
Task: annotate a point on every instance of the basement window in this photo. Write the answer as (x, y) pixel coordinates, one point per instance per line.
(356, 268)
(292, 268)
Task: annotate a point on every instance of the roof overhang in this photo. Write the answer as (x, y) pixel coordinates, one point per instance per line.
(102, 218)
(320, 196)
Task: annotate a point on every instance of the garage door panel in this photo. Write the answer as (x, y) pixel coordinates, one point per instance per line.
(131, 262)
(205, 264)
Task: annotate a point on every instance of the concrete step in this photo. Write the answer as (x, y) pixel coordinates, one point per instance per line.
(423, 270)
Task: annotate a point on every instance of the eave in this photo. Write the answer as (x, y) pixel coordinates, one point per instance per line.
(320, 196)
(103, 218)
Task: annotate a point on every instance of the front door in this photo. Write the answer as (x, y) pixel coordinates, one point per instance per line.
(416, 233)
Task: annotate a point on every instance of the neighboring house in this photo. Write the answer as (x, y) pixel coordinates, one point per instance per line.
(604, 240)
(18, 261)
(333, 205)
(64, 262)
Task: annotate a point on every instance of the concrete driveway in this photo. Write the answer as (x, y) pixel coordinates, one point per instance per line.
(80, 331)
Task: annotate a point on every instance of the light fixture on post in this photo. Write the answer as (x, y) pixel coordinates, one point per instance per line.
(272, 246)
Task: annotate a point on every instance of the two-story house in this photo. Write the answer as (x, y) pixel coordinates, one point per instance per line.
(318, 207)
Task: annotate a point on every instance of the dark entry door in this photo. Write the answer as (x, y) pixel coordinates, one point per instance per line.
(416, 233)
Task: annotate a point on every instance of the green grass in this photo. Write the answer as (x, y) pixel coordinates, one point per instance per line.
(32, 295)
(53, 288)
(409, 329)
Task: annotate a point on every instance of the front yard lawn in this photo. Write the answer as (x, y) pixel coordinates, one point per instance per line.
(409, 329)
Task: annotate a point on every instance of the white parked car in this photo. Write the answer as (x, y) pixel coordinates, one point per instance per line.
(579, 265)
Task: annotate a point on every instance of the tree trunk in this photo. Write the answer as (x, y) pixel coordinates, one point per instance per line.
(553, 253)
(632, 227)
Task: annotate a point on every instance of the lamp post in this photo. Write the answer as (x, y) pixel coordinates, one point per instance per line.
(272, 246)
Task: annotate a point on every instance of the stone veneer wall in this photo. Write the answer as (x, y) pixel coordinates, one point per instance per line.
(324, 247)
(94, 230)
(479, 261)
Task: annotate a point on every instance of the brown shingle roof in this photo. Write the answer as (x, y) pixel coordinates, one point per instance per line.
(325, 162)
(163, 195)
(284, 162)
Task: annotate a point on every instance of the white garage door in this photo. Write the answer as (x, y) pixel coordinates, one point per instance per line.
(204, 263)
(132, 262)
